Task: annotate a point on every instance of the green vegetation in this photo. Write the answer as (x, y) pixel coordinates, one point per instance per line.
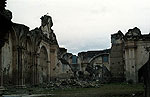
(105, 90)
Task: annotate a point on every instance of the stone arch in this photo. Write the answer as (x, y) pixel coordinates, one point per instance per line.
(101, 68)
(96, 57)
(93, 58)
(43, 65)
(20, 59)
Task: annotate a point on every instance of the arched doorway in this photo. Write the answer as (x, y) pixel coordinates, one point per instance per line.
(43, 65)
(100, 66)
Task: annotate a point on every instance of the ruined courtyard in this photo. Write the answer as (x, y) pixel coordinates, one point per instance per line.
(33, 58)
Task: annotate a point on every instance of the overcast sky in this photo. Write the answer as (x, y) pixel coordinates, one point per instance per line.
(82, 25)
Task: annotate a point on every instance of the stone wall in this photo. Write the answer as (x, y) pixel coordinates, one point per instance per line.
(128, 54)
(95, 64)
(29, 57)
(116, 57)
(135, 52)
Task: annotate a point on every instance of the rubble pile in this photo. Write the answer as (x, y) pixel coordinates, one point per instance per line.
(71, 83)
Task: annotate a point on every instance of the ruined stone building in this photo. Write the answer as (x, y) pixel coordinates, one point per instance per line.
(137, 57)
(95, 64)
(128, 54)
(70, 63)
(124, 60)
(117, 57)
(64, 62)
(27, 57)
(34, 57)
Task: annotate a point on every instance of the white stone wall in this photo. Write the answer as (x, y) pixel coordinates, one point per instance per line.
(130, 61)
(135, 58)
(142, 55)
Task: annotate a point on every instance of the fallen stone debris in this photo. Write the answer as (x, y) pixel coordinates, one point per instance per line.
(71, 83)
(51, 86)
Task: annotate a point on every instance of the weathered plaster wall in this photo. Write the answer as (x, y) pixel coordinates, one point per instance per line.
(6, 60)
(54, 67)
(86, 57)
(130, 51)
(116, 57)
(30, 57)
(135, 57)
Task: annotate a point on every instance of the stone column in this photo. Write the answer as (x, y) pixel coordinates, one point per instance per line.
(20, 68)
(35, 68)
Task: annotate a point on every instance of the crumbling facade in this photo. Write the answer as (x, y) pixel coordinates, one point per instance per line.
(34, 57)
(135, 52)
(28, 57)
(117, 57)
(71, 64)
(66, 71)
(96, 64)
(132, 50)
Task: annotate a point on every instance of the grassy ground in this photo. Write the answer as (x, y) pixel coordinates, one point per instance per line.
(106, 90)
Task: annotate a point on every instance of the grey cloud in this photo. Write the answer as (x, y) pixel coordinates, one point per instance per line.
(84, 24)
